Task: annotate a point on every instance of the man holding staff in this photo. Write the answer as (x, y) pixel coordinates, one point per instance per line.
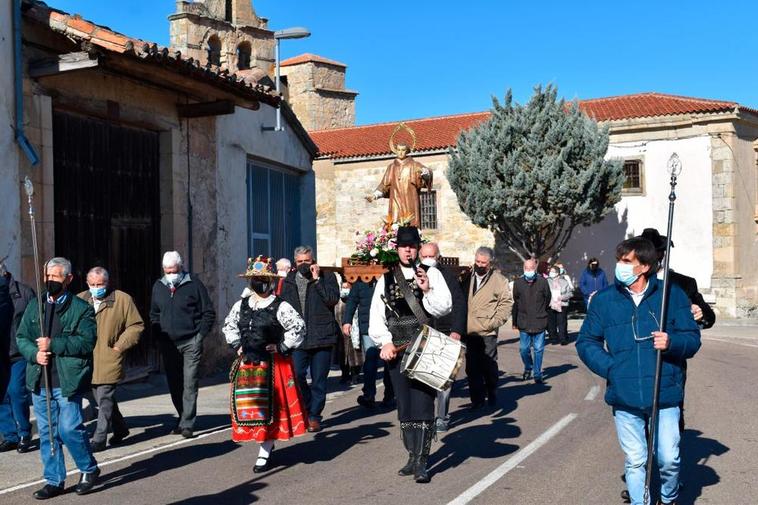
(63, 350)
(397, 314)
(619, 341)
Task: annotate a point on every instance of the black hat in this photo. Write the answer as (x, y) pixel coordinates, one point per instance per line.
(407, 235)
(658, 240)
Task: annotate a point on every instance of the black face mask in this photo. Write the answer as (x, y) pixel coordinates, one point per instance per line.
(593, 268)
(480, 270)
(305, 270)
(261, 287)
(54, 288)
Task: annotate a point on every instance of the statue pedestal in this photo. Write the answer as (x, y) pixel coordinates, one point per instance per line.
(352, 271)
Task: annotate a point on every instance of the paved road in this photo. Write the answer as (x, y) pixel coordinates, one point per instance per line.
(543, 444)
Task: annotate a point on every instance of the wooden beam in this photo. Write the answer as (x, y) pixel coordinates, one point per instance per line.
(204, 109)
(62, 63)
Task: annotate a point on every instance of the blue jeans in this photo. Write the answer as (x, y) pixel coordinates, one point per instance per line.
(529, 340)
(68, 429)
(630, 428)
(14, 410)
(319, 361)
(371, 363)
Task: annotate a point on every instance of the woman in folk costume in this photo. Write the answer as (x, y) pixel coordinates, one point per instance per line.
(265, 403)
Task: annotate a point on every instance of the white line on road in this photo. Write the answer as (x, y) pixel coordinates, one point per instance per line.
(730, 341)
(594, 390)
(511, 462)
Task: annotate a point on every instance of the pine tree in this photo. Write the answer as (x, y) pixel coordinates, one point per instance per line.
(532, 173)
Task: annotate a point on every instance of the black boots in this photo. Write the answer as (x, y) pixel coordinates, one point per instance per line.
(417, 438)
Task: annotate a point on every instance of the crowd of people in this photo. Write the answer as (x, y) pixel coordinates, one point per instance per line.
(294, 319)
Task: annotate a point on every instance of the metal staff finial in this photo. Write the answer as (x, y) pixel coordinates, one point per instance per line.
(29, 189)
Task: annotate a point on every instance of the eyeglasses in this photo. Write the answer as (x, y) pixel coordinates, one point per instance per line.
(635, 322)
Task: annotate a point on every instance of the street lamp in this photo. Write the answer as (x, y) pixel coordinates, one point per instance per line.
(287, 33)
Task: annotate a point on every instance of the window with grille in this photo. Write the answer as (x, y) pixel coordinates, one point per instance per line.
(429, 210)
(633, 177)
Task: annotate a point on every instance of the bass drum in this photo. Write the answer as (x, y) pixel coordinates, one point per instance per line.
(433, 359)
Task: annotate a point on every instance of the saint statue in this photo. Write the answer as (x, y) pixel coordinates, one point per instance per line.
(402, 182)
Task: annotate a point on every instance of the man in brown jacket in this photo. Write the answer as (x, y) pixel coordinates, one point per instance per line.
(489, 305)
(119, 326)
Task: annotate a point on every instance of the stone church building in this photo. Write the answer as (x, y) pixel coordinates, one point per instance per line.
(715, 222)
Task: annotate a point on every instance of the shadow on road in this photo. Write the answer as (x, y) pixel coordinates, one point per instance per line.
(474, 442)
(159, 425)
(242, 495)
(696, 452)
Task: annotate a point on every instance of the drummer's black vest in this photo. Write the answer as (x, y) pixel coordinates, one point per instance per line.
(258, 328)
(401, 322)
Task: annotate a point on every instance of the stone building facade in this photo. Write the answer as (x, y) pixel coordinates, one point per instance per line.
(142, 150)
(715, 222)
(316, 91)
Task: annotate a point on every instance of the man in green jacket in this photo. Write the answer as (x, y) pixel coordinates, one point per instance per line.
(64, 351)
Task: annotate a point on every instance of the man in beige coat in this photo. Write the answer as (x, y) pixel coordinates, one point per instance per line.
(119, 326)
(489, 305)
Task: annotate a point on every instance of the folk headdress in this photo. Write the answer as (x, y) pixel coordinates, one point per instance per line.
(260, 267)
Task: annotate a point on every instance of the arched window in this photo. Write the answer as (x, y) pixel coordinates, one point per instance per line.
(244, 51)
(214, 50)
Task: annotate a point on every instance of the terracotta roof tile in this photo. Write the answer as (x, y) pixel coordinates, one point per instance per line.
(104, 38)
(308, 58)
(442, 132)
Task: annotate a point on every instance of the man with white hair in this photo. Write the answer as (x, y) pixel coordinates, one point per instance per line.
(283, 268)
(531, 299)
(119, 327)
(181, 314)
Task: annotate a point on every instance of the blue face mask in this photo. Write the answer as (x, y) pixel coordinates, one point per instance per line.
(97, 292)
(529, 275)
(625, 274)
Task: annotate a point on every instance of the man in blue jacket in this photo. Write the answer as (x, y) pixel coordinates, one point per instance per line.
(619, 340)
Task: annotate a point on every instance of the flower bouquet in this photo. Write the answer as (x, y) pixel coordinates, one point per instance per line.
(375, 251)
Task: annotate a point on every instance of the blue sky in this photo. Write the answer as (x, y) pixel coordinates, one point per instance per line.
(410, 59)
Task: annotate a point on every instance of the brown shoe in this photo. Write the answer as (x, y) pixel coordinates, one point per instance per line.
(314, 426)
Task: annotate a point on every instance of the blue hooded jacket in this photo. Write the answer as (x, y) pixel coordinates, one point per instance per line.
(607, 344)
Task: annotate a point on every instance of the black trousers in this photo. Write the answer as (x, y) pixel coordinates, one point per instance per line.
(481, 366)
(557, 324)
(181, 359)
(415, 400)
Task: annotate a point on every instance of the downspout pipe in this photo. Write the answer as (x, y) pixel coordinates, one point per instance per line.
(21, 139)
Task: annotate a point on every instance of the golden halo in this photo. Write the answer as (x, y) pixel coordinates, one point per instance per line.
(398, 128)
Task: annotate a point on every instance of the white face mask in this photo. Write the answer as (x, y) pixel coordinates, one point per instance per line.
(553, 275)
(430, 262)
(173, 278)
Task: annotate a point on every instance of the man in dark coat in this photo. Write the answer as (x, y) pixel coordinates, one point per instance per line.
(452, 324)
(15, 425)
(359, 300)
(531, 299)
(182, 315)
(313, 294)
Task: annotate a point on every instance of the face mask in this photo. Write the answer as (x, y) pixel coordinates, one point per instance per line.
(625, 274)
(54, 288)
(173, 278)
(593, 268)
(430, 262)
(529, 275)
(305, 270)
(97, 292)
(344, 292)
(563, 271)
(480, 270)
(259, 286)
(553, 275)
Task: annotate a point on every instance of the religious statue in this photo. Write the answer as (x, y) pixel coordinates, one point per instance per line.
(402, 182)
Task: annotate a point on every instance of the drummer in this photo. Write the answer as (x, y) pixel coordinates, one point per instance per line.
(394, 323)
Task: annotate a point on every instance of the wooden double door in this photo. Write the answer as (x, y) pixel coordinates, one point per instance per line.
(107, 209)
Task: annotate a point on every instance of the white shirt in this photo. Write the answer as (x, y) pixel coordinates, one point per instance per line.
(437, 302)
(637, 297)
(478, 281)
(96, 302)
(293, 324)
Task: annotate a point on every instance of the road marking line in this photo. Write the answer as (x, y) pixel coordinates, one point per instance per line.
(728, 341)
(594, 390)
(512, 462)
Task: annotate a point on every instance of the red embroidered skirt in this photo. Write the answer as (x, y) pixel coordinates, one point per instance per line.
(272, 403)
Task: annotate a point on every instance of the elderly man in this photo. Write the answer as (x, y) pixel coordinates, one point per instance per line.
(404, 299)
(313, 294)
(531, 299)
(489, 305)
(283, 267)
(14, 409)
(619, 341)
(182, 315)
(62, 349)
(119, 327)
(453, 324)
